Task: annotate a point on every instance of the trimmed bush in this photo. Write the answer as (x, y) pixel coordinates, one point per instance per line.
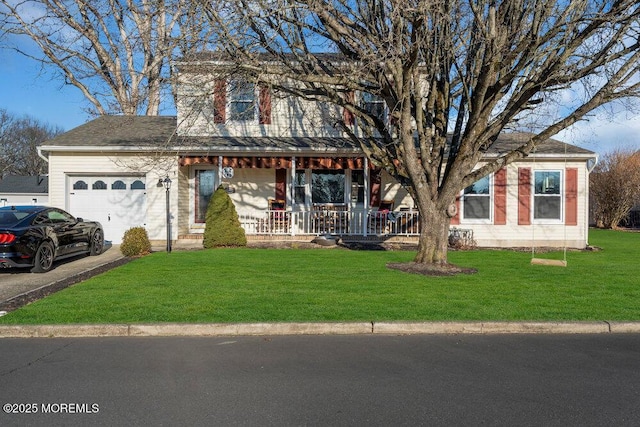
(135, 242)
(222, 227)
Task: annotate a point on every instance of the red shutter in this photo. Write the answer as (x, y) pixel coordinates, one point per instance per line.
(264, 105)
(349, 118)
(524, 196)
(500, 197)
(455, 220)
(281, 184)
(375, 180)
(571, 197)
(220, 101)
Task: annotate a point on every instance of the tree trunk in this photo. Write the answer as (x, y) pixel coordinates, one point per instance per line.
(434, 237)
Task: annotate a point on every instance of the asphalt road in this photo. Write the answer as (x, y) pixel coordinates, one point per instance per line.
(497, 380)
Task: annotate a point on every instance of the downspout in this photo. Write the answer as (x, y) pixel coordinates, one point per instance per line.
(588, 207)
(42, 156)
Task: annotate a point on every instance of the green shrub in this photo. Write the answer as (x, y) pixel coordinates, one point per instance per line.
(135, 242)
(222, 227)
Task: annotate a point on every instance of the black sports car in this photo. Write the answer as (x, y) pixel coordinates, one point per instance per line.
(36, 236)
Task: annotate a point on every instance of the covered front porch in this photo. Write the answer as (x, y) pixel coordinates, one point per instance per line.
(300, 197)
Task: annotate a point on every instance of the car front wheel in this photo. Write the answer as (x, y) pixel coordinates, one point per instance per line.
(97, 243)
(43, 258)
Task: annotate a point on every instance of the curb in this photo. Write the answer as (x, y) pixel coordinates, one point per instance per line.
(327, 328)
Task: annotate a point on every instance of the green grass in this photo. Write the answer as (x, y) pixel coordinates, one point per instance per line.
(256, 285)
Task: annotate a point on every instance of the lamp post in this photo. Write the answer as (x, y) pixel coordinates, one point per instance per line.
(167, 186)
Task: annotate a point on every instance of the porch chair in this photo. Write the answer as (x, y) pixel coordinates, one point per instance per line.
(378, 221)
(330, 218)
(278, 217)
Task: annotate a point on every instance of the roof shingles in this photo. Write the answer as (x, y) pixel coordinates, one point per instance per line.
(157, 131)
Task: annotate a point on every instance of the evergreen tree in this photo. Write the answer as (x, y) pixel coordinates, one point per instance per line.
(222, 224)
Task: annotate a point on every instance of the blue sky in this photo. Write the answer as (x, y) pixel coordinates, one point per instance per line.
(24, 90)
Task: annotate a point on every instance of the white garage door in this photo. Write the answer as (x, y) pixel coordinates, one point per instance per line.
(117, 202)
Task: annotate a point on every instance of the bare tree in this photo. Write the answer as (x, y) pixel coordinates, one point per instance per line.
(468, 68)
(116, 52)
(19, 139)
(615, 187)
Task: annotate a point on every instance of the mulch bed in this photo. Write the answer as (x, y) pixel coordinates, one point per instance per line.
(431, 269)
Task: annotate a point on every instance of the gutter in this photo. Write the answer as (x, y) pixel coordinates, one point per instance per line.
(595, 163)
(212, 150)
(42, 156)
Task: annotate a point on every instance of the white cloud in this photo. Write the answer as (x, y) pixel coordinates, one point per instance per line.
(605, 131)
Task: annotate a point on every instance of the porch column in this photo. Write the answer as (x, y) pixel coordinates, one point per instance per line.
(365, 214)
(219, 172)
(291, 195)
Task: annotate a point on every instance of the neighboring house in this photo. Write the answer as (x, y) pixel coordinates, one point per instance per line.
(24, 190)
(292, 175)
(633, 219)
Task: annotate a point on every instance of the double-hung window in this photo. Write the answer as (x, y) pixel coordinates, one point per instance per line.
(357, 186)
(373, 104)
(547, 197)
(476, 200)
(242, 101)
(300, 187)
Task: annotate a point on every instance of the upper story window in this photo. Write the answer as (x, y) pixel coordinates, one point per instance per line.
(373, 104)
(242, 101)
(547, 198)
(476, 201)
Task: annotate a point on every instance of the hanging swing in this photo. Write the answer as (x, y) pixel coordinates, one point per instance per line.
(546, 261)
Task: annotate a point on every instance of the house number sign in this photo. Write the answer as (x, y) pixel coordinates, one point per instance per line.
(227, 172)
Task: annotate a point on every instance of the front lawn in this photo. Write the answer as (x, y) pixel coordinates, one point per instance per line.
(257, 285)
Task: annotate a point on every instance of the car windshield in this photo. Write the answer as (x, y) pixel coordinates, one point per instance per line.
(10, 218)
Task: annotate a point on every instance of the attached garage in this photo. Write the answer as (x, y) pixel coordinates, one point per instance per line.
(117, 202)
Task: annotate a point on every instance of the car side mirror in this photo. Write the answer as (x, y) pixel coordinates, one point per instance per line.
(79, 219)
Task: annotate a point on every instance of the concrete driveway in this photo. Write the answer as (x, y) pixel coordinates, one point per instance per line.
(19, 286)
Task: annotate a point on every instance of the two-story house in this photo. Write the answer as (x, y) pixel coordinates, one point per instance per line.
(292, 174)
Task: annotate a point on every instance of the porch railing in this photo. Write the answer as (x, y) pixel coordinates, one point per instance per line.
(335, 222)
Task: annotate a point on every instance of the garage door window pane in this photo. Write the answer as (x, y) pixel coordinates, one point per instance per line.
(99, 185)
(137, 185)
(118, 185)
(80, 185)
